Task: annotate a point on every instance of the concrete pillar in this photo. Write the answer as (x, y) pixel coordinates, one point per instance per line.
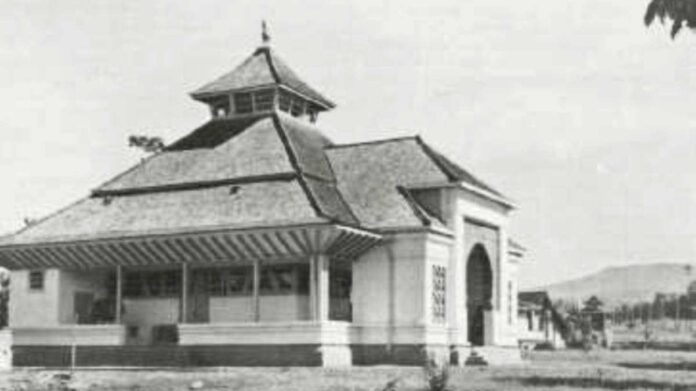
(184, 293)
(319, 287)
(323, 297)
(119, 294)
(256, 286)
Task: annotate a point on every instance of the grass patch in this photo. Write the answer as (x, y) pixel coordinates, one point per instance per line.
(557, 371)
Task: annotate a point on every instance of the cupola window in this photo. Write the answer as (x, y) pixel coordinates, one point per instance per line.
(263, 100)
(284, 101)
(220, 107)
(243, 103)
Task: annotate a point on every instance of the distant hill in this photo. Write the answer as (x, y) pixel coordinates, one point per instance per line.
(626, 284)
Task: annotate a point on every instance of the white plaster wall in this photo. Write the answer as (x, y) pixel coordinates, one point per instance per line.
(5, 350)
(466, 205)
(87, 335)
(33, 307)
(389, 283)
(71, 282)
(303, 332)
(272, 308)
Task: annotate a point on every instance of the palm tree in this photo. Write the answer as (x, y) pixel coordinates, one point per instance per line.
(680, 12)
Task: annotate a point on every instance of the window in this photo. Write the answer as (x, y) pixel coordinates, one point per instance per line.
(132, 331)
(297, 108)
(340, 282)
(279, 279)
(152, 284)
(36, 280)
(242, 103)
(274, 280)
(530, 321)
(439, 293)
(263, 100)
(284, 101)
(220, 107)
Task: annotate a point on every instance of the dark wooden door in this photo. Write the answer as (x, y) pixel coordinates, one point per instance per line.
(83, 302)
(199, 298)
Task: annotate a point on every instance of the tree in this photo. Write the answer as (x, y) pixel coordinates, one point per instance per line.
(593, 304)
(4, 297)
(146, 143)
(680, 12)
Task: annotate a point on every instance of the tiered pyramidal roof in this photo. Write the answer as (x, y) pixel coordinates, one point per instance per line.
(258, 162)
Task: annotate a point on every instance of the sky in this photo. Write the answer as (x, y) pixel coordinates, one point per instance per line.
(574, 110)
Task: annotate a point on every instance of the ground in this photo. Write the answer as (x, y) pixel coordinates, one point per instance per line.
(558, 371)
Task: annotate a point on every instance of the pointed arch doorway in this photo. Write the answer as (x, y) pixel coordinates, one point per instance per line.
(479, 292)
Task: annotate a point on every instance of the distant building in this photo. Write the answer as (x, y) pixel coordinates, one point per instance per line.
(539, 322)
(255, 240)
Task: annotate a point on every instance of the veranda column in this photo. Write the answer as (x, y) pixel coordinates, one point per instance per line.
(319, 287)
(184, 293)
(255, 286)
(119, 294)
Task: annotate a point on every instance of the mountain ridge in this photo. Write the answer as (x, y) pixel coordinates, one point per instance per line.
(625, 283)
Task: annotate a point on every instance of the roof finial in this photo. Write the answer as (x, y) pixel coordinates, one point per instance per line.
(265, 37)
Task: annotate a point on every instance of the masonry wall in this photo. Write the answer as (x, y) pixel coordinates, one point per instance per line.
(72, 282)
(500, 327)
(271, 307)
(388, 284)
(25, 302)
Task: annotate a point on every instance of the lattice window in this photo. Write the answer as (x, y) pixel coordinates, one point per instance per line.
(274, 280)
(263, 100)
(284, 101)
(243, 103)
(36, 280)
(152, 284)
(439, 293)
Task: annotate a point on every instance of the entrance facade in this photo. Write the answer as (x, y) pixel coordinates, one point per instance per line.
(479, 292)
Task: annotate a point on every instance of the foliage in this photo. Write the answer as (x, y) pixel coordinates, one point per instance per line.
(4, 297)
(437, 376)
(680, 12)
(593, 304)
(146, 143)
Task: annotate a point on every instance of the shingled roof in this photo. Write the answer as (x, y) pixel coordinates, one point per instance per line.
(371, 176)
(229, 172)
(264, 67)
(261, 168)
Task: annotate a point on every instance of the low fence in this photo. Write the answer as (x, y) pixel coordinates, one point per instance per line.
(638, 338)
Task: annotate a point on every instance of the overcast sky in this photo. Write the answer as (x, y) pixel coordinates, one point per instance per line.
(573, 109)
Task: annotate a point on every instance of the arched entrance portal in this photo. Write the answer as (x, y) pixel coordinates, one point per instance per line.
(479, 291)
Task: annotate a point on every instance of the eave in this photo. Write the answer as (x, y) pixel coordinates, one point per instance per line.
(500, 200)
(221, 246)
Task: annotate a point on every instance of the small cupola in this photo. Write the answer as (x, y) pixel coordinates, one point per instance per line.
(262, 83)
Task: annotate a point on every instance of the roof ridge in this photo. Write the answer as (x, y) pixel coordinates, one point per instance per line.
(292, 156)
(442, 162)
(303, 176)
(266, 51)
(415, 207)
(338, 191)
(372, 142)
(281, 176)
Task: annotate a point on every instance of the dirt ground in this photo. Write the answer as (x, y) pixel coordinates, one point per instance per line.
(558, 371)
